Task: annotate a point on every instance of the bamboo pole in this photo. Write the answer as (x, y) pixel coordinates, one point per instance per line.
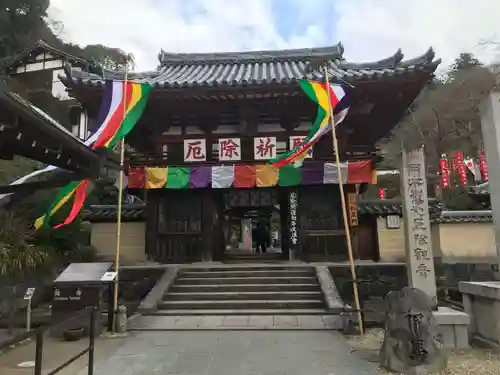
(343, 201)
(119, 205)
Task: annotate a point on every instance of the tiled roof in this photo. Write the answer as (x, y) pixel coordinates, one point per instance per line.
(392, 207)
(476, 216)
(482, 189)
(261, 67)
(39, 137)
(43, 45)
(105, 213)
(136, 212)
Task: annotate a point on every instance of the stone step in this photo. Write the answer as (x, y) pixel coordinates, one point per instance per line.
(231, 296)
(225, 312)
(245, 280)
(245, 288)
(252, 254)
(245, 267)
(243, 304)
(249, 273)
(254, 258)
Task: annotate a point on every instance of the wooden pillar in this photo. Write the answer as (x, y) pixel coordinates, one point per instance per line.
(213, 233)
(152, 225)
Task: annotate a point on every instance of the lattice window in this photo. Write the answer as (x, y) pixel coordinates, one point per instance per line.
(319, 208)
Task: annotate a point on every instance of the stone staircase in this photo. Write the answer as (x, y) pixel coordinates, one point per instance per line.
(245, 256)
(244, 290)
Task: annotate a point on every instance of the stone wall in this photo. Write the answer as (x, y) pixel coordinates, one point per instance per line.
(376, 280)
(468, 240)
(451, 241)
(133, 242)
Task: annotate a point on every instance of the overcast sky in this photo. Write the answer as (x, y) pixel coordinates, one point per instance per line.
(369, 29)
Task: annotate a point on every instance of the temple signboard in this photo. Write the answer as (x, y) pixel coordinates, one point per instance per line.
(296, 140)
(195, 150)
(293, 218)
(293, 202)
(264, 148)
(353, 209)
(229, 149)
(419, 252)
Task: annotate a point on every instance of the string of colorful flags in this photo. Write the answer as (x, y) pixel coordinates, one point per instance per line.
(249, 176)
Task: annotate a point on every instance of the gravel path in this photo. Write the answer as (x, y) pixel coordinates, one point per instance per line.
(475, 361)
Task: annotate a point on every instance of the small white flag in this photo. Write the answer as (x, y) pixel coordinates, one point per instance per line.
(471, 165)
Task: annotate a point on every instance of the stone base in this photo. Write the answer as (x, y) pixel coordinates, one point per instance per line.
(482, 303)
(453, 326)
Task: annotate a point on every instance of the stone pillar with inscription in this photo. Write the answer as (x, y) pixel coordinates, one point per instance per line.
(419, 252)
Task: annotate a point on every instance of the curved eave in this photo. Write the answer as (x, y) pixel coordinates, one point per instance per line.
(168, 58)
(248, 73)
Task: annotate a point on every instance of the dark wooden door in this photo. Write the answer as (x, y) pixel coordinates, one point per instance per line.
(366, 240)
(179, 231)
(322, 235)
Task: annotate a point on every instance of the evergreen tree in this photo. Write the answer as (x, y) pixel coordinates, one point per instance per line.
(465, 61)
(21, 22)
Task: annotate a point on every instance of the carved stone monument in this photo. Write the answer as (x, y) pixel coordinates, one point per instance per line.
(419, 252)
(419, 249)
(412, 343)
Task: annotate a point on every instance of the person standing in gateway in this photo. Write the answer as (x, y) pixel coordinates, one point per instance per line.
(262, 237)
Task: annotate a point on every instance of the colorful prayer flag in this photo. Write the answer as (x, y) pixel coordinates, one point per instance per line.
(260, 175)
(316, 91)
(121, 107)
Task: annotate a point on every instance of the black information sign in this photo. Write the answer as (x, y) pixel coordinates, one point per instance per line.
(293, 223)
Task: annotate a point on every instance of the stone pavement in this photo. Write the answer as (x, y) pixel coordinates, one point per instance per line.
(56, 352)
(235, 322)
(234, 353)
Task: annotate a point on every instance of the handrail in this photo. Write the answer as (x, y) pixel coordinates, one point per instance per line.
(39, 333)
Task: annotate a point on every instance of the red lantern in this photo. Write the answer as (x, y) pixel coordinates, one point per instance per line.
(483, 167)
(462, 173)
(443, 171)
(381, 193)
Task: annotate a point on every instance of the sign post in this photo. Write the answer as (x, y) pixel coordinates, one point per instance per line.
(28, 296)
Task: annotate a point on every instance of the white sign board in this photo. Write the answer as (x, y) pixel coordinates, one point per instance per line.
(109, 276)
(195, 150)
(29, 293)
(296, 140)
(229, 149)
(393, 222)
(264, 148)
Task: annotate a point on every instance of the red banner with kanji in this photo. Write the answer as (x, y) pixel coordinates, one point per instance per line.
(443, 171)
(483, 166)
(462, 172)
